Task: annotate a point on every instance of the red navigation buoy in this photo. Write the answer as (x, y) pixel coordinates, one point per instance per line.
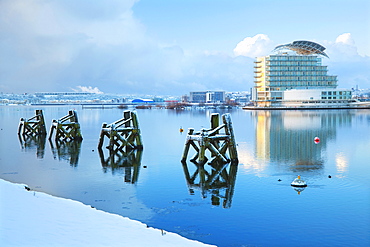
(316, 140)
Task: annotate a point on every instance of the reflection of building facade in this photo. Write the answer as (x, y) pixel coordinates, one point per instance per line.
(207, 97)
(297, 78)
(288, 137)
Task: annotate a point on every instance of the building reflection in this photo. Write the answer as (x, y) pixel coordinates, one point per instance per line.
(125, 162)
(66, 150)
(32, 142)
(341, 162)
(288, 136)
(214, 178)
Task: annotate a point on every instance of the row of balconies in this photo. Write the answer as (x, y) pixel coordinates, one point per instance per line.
(292, 58)
(302, 78)
(297, 73)
(296, 68)
(300, 84)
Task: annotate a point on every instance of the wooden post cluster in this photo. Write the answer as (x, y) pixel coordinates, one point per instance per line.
(35, 126)
(123, 134)
(213, 140)
(125, 146)
(67, 128)
(32, 133)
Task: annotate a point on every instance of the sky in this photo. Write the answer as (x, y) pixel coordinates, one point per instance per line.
(162, 47)
(30, 218)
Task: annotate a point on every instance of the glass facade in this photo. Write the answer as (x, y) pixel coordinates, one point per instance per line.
(207, 97)
(276, 73)
(198, 97)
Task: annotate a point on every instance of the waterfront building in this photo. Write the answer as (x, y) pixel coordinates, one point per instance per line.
(294, 76)
(207, 97)
(62, 94)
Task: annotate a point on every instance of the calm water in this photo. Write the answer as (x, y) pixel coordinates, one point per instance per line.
(249, 208)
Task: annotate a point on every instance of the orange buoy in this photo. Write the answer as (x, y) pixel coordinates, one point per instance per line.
(181, 130)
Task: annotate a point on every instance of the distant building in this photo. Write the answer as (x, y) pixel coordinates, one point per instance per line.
(207, 97)
(198, 97)
(62, 94)
(185, 98)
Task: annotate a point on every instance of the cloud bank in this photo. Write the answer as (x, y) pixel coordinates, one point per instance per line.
(57, 45)
(95, 46)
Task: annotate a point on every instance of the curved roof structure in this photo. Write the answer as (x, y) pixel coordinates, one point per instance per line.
(303, 47)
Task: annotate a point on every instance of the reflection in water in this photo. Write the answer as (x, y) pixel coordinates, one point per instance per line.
(213, 179)
(66, 150)
(30, 142)
(299, 189)
(125, 162)
(288, 136)
(341, 163)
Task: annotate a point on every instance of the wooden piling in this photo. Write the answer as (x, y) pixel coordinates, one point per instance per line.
(212, 140)
(123, 134)
(125, 146)
(33, 126)
(230, 132)
(66, 128)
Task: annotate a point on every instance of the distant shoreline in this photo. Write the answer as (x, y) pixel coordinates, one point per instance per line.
(304, 108)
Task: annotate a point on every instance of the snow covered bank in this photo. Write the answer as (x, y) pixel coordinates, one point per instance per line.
(29, 218)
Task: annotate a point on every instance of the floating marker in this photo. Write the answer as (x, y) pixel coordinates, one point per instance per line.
(298, 182)
(316, 140)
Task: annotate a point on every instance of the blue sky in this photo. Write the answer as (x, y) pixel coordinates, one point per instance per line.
(170, 47)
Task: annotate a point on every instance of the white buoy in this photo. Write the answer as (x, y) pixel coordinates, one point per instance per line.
(298, 182)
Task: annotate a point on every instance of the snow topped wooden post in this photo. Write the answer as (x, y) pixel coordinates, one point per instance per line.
(67, 128)
(33, 126)
(123, 134)
(213, 140)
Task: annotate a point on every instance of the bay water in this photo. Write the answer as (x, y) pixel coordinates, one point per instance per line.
(248, 204)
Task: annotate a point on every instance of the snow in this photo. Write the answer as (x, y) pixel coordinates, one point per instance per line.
(31, 218)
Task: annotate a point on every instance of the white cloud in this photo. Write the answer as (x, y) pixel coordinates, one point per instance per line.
(346, 39)
(258, 45)
(88, 89)
(343, 48)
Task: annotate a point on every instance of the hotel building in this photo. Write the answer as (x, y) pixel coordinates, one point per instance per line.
(295, 77)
